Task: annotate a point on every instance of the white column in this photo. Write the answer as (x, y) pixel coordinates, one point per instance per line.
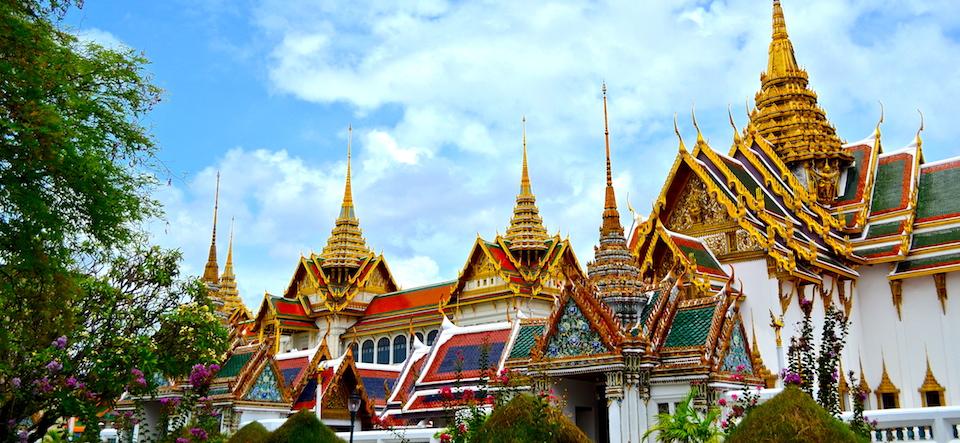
(632, 397)
(642, 416)
(613, 419)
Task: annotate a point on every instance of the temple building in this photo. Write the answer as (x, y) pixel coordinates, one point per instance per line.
(694, 296)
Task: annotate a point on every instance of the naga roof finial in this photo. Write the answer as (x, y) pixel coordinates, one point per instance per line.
(676, 130)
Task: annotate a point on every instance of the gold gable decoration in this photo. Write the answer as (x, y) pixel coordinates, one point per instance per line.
(695, 209)
(931, 385)
(886, 386)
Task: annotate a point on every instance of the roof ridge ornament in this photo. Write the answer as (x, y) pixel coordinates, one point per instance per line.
(676, 130)
(693, 116)
(876, 132)
(917, 140)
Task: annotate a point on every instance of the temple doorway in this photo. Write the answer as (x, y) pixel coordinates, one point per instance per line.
(584, 404)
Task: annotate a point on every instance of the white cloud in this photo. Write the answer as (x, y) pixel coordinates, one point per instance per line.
(415, 271)
(100, 37)
(455, 79)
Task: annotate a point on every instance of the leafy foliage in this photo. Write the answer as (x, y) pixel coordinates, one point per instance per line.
(303, 427)
(82, 291)
(858, 423)
(253, 432)
(687, 425)
(527, 418)
(832, 341)
(791, 416)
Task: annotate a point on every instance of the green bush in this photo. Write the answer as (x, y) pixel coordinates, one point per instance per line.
(527, 418)
(253, 432)
(303, 427)
(791, 416)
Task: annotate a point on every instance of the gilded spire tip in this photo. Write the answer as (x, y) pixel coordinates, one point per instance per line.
(211, 269)
(693, 116)
(876, 132)
(606, 134)
(918, 140)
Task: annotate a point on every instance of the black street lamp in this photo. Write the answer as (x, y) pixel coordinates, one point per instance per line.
(353, 404)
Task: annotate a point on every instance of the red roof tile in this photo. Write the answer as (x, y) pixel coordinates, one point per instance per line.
(412, 298)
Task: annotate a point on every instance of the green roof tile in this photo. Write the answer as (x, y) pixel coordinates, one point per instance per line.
(234, 364)
(526, 338)
(882, 229)
(937, 194)
(939, 237)
(888, 190)
(690, 327)
(928, 262)
(648, 309)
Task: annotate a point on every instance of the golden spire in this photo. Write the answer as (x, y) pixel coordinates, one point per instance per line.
(211, 269)
(611, 216)
(787, 113)
(346, 247)
(526, 231)
(228, 281)
(613, 270)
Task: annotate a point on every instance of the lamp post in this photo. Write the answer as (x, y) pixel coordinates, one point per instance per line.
(353, 405)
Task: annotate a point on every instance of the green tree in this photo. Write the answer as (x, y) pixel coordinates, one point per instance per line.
(687, 425)
(82, 291)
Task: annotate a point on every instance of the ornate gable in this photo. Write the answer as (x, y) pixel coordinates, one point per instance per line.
(266, 387)
(574, 335)
(737, 354)
(696, 211)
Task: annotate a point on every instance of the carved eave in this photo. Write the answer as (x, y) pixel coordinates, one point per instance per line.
(347, 368)
(310, 275)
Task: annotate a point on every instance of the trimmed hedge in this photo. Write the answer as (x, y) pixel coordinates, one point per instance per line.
(526, 418)
(791, 416)
(253, 432)
(303, 427)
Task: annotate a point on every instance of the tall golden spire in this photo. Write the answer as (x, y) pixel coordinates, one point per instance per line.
(787, 115)
(614, 271)
(229, 294)
(346, 247)
(611, 216)
(526, 231)
(211, 269)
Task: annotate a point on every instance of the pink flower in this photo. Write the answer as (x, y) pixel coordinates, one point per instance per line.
(446, 393)
(734, 397)
(462, 428)
(446, 438)
(722, 402)
(182, 440)
(200, 434)
(467, 394)
(60, 342)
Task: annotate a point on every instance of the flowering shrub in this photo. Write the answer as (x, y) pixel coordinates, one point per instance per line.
(739, 405)
(858, 423)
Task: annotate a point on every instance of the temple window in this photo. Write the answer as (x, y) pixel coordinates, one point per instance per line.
(663, 408)
(383, 351)
(931, 391)
(399, 348)
(888, 396)
(431, 337)
(366, 355)
(420, 337)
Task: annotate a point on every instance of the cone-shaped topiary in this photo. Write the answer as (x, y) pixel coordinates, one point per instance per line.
(791, 416)
(253, 432)
(303, 427)
(526, 418)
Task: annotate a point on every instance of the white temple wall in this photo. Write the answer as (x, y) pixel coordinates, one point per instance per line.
(904, 344)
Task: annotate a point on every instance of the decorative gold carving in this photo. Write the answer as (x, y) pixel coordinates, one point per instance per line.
(717, 243)
(695, 208)
(940, 280)
(930, 384)
(887, 387)
(845, 300)
(776, 322)
(785, 297)
(746, 242)
(377, 281)
(896, 292)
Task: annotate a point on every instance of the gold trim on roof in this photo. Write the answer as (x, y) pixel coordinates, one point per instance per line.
(886, 386)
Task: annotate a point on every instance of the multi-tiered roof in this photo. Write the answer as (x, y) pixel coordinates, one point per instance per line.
(526, 231)
(345, 248)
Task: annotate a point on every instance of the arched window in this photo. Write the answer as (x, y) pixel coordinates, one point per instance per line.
(353, 350)
(366, 355)
(383, 351)
(399, 348)
(420, 337)
(432, 337)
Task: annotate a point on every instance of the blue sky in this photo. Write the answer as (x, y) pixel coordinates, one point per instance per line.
(263, 90)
